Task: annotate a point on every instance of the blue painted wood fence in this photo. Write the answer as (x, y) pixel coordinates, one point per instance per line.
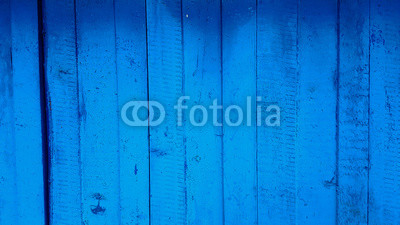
(68, 67)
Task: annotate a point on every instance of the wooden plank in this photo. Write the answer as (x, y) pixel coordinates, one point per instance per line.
(202, 57)
(99, 117)
(167, 152)
(277, 84)
(21, 179)
(384, 183)
(131, 53)
(27, 113)
(352, 195)
(8, 193)
(63, 111)
(239, 82)
(316, 137)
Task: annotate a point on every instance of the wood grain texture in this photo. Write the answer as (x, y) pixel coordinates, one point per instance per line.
(99, 117)
(384, 179)
(331, 66)
(167, 152)
(353, 112)
(21, 176)
(63, 112)
(316, 136)
(277, 84)
(202, 71)
(8, 195)
(67, 113)
(239, 82)
(130, 20)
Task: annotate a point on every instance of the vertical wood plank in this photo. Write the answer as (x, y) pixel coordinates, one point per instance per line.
(99, 125)
(131, 53)
(202, 57)
(239, 82)
(63, 111)
(353, 99)
(21, 179)
(316, 155)
(27, 112)
(384, 180)
(277, 84)
(8, 193)
(167, 152)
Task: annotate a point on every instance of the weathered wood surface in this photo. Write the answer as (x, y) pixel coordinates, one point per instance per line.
(333, 68)
(21, 161)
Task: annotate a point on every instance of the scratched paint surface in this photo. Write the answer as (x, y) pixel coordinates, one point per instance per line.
(333, 68)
